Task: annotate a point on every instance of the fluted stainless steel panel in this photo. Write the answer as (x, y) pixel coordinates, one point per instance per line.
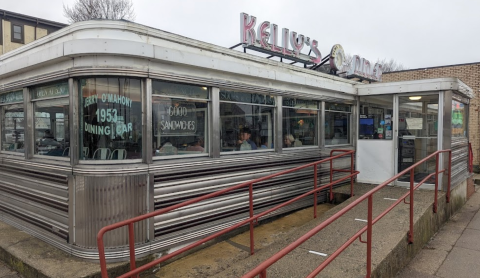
(36, 194)
(101, 201)
(459, 159)
(198, 220)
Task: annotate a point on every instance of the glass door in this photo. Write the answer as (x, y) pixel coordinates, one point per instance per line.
(417, 135)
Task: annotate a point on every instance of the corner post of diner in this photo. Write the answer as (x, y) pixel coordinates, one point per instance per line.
(278, 126)
(446, 125)
(321, 126)
(147, 121)
(29, 117)
(354, 117)
(214, 123)
(74, 154)
(73, 115)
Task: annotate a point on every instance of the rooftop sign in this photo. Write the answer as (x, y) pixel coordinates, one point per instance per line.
(361, 68)
(267, 42)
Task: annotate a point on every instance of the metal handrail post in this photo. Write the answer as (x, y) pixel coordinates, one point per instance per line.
(436, 184)
(131, 243)
(369, 235)
(331, 177)
(252, 240)
(449, 175)
(315, 194)
(351, 172)
(101, 256)
(410, 233)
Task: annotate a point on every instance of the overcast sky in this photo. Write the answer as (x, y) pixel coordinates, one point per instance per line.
(415, 33)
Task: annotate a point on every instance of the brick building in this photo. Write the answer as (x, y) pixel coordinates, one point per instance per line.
(18, 29)
(470, 75)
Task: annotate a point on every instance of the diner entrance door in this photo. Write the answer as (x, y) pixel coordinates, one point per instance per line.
(418, 136)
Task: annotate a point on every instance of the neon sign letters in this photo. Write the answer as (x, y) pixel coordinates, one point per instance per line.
(267, 42)
(362, 68)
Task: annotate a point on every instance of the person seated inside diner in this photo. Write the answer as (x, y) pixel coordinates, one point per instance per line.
(289, 141)
(48, 135)
(244, 143)
(197, 146)
(167, 149)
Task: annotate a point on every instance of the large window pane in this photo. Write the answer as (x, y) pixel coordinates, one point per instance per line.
(12, 128)
(51, 127)
(180, 119)
(375, 121)
(111, 118)
(179, 126)
(299, 122)
(459, 126)
(246, 127)
(337, 128)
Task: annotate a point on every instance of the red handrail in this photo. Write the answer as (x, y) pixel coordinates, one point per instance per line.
(262, 268)
(252, 219)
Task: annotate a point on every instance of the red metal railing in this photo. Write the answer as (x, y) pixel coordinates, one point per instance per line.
(261, 269)
(470, 158)
(251, 220)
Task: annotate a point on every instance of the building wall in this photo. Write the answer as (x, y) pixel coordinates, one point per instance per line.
(29, 36)
(470, 75)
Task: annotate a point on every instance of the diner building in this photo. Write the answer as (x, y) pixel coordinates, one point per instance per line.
(104, 120)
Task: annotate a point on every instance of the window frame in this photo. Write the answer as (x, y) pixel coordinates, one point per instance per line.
(34, 101)
(349, 129)
(80, 113)
(5, 106)
(274, 106)
(317, 127)
(208, 128)
(366, 102)
(22, 30)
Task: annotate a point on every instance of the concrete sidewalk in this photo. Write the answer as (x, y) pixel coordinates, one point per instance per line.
(454, 252)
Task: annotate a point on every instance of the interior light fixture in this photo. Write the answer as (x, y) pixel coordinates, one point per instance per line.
(415, 98)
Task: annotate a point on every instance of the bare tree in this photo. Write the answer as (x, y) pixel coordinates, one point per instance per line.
(390, 65)
(99, 9)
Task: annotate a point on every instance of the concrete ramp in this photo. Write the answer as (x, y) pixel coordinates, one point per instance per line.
(230, 258)
(391, 250)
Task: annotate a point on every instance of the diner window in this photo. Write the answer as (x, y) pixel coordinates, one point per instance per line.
(459, 125)
(110, 118)
(51, 133)
(179, 119)
(337, 123)
(376, 117)
(12, 124)
(17, 33)
(246, 121)
(299, 122)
